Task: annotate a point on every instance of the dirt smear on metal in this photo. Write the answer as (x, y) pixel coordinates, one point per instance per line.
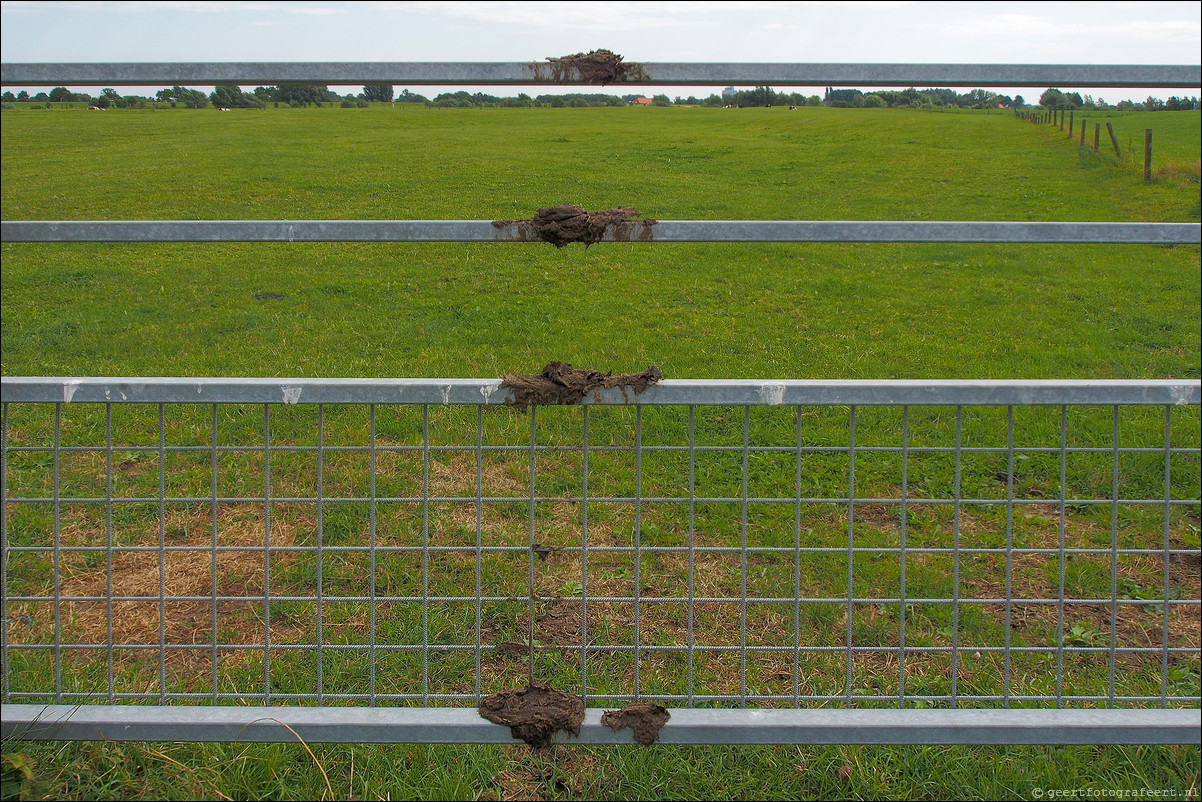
(594, 67)
(645, 718)
(535, 713)
(568, 223)
(560, 383)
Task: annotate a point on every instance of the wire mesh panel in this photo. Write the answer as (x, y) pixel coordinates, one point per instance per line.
(751, 555)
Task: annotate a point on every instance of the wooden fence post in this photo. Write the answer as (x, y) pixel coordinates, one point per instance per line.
(1147, 154)
(1114, 141)
(1062, 119)
(1070, 125)
(1083, 133)
(1097, 136)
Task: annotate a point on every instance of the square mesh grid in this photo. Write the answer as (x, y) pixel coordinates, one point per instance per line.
(697, 555)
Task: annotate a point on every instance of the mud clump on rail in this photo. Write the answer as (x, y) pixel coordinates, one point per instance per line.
(567, 223)
(645, 718)
(534, 713)
(594, 67)
(560, 383)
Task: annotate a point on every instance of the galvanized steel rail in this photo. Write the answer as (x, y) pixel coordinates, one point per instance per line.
(660, 231)
(687, 726)
(754, 392)
(651, 73)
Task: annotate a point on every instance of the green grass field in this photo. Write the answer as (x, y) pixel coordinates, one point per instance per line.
(697, 311)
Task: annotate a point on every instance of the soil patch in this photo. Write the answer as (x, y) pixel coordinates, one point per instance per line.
(567, 223)
(154, 590)
(534, 713)
(560, 383)
(541, 774)
(182, 573)
(1188, 565)
(645, 718)
(596, 66)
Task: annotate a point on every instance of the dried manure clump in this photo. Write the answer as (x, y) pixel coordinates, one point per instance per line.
(534, 713)
(568, 223)
(645, 718)
(560, 383)
(594, 67)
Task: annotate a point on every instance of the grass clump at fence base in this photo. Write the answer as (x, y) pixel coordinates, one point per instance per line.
(695, 310)
(285, 771)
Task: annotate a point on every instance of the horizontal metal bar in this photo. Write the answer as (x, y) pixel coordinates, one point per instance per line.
(642, 73)
(685, 726)
(726, 392)
(661, 231)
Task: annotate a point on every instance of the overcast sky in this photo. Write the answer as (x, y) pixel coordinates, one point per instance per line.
(745, 31)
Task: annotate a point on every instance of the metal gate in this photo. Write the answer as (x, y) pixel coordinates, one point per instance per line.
(775, 562)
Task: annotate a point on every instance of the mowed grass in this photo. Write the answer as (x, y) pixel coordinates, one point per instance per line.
(697, 311)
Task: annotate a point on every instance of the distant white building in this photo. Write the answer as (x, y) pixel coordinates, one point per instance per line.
(728, 92)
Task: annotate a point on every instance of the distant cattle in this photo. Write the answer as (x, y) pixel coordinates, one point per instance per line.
(95, 108)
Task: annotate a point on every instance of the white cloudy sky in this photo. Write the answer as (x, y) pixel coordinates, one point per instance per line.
(745, 31)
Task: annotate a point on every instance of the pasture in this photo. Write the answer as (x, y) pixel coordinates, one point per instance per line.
(695, 310)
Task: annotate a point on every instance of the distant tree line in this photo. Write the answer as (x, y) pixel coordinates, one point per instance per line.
(919, 98)
(231, 96)
(1057, 100)
(759, 96)
(60, 94)
(226, 96)
(463, 100)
